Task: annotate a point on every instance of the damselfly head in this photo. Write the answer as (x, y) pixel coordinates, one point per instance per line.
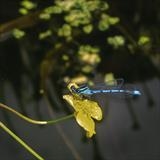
(72, 87)
(136, 92)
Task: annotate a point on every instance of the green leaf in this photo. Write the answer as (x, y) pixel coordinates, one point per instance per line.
(87, 49)
(106, 21)
(113, 20)
(103, 23)
(28, 4)
(96, 5)
(77, 17)
(88, 28)
(65, 57)
(65, 31)
(53, 10)
(45, 34)
(45, 16)
(116, 41)
(17, 33)
(143, 40)
(66, 5)
(104, 6)
(23, 11)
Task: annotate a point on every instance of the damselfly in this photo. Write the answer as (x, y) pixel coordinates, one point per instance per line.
(115, 87)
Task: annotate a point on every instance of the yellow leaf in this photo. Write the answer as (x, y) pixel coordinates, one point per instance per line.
(95, 110)
(86, 122)
(85, 110)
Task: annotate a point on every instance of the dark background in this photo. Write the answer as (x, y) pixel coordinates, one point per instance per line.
(130, 129)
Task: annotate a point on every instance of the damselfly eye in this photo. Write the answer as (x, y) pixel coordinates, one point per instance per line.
(73, 89)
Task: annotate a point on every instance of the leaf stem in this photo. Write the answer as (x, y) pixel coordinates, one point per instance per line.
(20, 141)
(35, 121)
(60, 119)
(3, 106)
